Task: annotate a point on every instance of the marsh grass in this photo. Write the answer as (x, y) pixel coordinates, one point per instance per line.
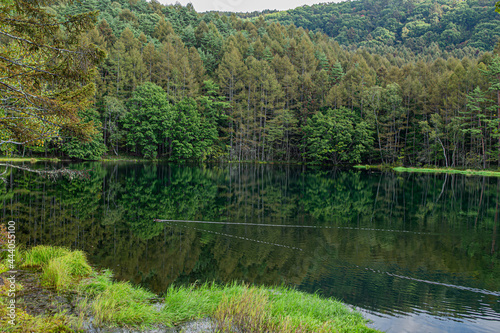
(231, 307)
(61, 272)
(246, 313)
(467, 172)
(40, 255)
(118, 303)
(245, 308)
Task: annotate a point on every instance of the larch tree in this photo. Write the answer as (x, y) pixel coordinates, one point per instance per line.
(46, 73)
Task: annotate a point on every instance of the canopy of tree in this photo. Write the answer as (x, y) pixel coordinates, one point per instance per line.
(180, 85)
(46, 73)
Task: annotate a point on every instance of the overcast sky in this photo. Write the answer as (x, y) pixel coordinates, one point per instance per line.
(245, 5)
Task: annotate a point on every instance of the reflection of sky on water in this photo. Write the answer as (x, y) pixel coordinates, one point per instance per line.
(424, 322)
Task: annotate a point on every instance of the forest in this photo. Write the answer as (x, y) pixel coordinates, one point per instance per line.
(406, 83)
(415, 25)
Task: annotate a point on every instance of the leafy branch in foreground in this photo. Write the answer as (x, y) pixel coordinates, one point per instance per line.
(46, 73)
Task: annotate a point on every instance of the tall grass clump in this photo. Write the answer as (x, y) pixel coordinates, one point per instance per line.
(119, 303)
(284, 310)
(185, 303)
(40, 255)
(313, 313)
(61, 272)
(246, 313)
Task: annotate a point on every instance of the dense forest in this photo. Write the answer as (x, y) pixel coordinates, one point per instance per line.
(181, 85)
(416, 25)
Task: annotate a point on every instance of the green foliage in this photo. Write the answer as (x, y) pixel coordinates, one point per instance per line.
(405, 68)
(412, 25)
(91, 150)
(337, 136)
(192, 137)
(46, 72)
(148, 118)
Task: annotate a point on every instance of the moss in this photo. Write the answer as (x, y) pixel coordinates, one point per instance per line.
(24, 322)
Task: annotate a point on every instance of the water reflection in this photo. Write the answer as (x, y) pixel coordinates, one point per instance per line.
(408, 249)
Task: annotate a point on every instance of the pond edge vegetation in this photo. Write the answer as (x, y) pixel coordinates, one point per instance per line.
(382, 167)
(105, 302)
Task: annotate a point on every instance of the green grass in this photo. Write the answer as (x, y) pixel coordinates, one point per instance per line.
(248, 308)
(467, 172)
(61, 272)
(28, 159)
(261, 309)
(119, 303)
(40, 255)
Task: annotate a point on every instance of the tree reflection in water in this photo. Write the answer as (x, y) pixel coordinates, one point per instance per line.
(392, 243)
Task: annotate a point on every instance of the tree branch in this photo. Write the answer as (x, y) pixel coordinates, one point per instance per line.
(51, 174)
(39, 45)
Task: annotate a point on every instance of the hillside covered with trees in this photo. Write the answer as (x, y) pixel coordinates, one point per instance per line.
(413, 24)
(180, 85)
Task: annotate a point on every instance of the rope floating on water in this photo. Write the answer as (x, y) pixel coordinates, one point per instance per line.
(296, 226)
(244, 238)
(464, 288)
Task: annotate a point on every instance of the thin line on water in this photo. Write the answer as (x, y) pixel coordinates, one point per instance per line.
(475, 290)
(244, 238)
(297, 226)
(471, 289)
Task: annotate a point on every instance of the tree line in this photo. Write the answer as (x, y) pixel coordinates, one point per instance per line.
(186, 86)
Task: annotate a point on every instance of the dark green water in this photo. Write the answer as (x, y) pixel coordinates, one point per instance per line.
(415, 252)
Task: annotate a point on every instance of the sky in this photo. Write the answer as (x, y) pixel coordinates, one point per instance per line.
(245, 5)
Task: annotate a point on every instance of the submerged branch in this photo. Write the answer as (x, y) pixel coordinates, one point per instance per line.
(51, 174)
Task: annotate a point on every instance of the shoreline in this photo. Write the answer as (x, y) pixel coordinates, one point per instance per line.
(399, 169)
(94, 299)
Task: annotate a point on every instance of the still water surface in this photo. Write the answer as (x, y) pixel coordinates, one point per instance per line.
(413, 252)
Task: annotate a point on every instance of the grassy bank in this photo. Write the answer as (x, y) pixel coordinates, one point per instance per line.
(229, 307)
(29, 159)
(55, 159)
(467, 172)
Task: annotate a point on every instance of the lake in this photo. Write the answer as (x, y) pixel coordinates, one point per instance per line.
(412, 252)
